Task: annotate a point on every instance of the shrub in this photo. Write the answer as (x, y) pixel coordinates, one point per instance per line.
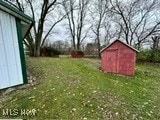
(77, 54)
(149, 56)
(49, 51)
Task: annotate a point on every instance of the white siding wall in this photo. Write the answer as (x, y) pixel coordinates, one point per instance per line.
(10, 65)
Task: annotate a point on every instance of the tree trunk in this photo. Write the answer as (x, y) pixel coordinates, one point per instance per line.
(31, 51)
(37, 45)
(74, 44)
(98, 42)
(37, 51)
(78, 43)
(98, 39)
(99, 47)
(155, 41)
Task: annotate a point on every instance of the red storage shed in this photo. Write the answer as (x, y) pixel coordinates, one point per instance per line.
(119, 58)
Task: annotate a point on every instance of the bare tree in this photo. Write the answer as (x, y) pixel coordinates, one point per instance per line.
(110, 32)
(35, 40)
(69, 6)
(76, 11)
(98, 13)
(133, 18)
(156, 43)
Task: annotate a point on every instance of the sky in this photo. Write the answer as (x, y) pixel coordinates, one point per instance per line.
(60, 32)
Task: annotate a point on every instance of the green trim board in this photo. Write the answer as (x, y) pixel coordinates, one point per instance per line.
(21, 50)
(14, 12)
(29, 22)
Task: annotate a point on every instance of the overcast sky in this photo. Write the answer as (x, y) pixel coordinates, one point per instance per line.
(60, 32)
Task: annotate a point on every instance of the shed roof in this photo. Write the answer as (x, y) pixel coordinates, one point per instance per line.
(120, 42)
(27, 21)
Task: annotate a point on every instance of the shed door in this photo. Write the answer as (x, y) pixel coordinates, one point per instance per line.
(10, 65)
(111, 61)
(126, 63)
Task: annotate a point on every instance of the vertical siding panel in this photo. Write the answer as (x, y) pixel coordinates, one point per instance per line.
(8, 47)
(4, 78)
(5, 72)
(10, 62)
(16, 52)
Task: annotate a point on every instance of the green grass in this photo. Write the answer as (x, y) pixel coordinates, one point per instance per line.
(76, 89)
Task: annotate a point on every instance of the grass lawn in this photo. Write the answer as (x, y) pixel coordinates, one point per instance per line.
(76, 89)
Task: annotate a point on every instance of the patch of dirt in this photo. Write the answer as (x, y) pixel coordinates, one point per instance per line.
(31, 82)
